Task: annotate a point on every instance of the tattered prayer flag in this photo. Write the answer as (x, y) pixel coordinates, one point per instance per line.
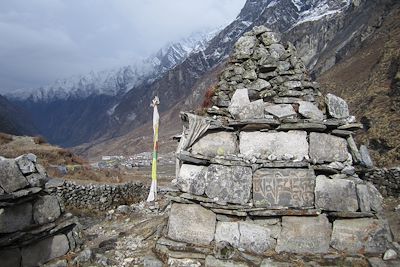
(156, 121)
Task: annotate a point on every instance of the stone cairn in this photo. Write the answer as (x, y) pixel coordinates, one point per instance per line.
(270, 169)
(33, 228)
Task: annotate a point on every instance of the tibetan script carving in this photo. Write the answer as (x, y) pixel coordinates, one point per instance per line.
(280, 188)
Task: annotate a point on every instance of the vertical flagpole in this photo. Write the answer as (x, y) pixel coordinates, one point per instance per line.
(156, 121)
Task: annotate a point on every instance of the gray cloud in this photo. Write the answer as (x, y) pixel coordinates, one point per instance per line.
(42, 40)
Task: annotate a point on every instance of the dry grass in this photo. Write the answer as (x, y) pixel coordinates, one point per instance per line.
(207, 101)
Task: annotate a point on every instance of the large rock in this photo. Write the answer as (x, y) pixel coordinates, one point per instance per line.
(192, 179)
(375, 198)
(327, 148)
(337, 107)
(360, 236)
(10, 257)
(304, 235)
(11, 178)
(255, 238)
(244, 47)
(240, 99)
(363, 197)
(216, 144)
(279, 144)
(26, 163)
(46, 209)
(310, 111)
(259, 85)
(365, 157)
(281, 110)
(230, 184)
(254, 110)
(274, 188)
(15, 218)
(335, 194)
(191, 223)
(45, 250)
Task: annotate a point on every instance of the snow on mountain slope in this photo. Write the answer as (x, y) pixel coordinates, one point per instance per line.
(119, 80)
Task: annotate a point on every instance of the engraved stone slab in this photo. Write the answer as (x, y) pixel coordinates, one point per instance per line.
(304, 234)
(230, 184)
(213, 144)
(337, 107)
(191, 223)
(192, 179)
(360, 236)
(327, 148)
(273, 188)
(278, 144)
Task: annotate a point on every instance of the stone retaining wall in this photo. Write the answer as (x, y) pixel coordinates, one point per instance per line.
(386, 180)
(97, 196)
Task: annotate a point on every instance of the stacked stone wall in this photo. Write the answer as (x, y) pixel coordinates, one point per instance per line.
(386, 180)
(97, 196)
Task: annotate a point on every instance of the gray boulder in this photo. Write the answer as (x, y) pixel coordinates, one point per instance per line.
(192, 179)
(239, 100)
(230, 184)
(337, 107)
(375, 198)
(310, 111)
(216, 144)
(327, 148)
(276, 51)
(304, 235)
(191, 223)
(255, 238)
(259, 85)
(335, 194)
(365, 157)
(45, 250)
(244, 47)
(46, 209)
(281, 110)
(15, 218)
(254, 110)
(26, 163)
(269, 38)
(360, 236)
(11, 178)
(211, 261)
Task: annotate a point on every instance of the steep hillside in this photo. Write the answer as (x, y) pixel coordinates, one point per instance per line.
(370, 81)
(14, 120)
(325, 33)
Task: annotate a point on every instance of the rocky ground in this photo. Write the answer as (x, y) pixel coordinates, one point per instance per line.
(127, 235)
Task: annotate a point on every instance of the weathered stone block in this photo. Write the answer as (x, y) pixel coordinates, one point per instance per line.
(191, 223)
(274, 188)
(375, 197)
(363, 197)
(337, 107)
(278, 144)
(310, 111)
(46, 209)
(11, 178)
(360, 236)
(255, 238)
(327, 148)
(254, 110)
(239, 100)
(228, 232)
(281, 110)
(304, 235)
(192, 179)
(230, 184)
(41, 252)
(335, 194)
(26, 163)
(244, 47)
(213, 144)
(365, 157)
(15, 218)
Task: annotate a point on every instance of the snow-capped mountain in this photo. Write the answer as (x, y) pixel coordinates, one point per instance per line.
(118, 81)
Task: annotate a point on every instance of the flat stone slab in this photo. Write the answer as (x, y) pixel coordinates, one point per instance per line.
(283, 188)
(360, 236)
(230, 184)
(192, 179)
(228, 232)
(11, 178)
(285, 212)
(337, 107)
(191, 223)
(46, 209)
(310, 111)
(281, 110)
(327, 148)
(216, 144)
(335, 194)
(279, 144)
(304, 235)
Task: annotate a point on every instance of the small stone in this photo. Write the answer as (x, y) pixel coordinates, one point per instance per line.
(239, 100)
(363, 198)
(223, 250)
(123, 209)
(26, 163)
(349, 170)
(276, 51)
(365, 157)
(390, 254)
(11, 178)
(46, 209)
(150, 261)
(259, 85)
(244, 47)
(337, 107)
(269, 38)
(213, 262)
(281, 110)
(310, 111)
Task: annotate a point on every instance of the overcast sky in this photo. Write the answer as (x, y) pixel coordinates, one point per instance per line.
(42, 40)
